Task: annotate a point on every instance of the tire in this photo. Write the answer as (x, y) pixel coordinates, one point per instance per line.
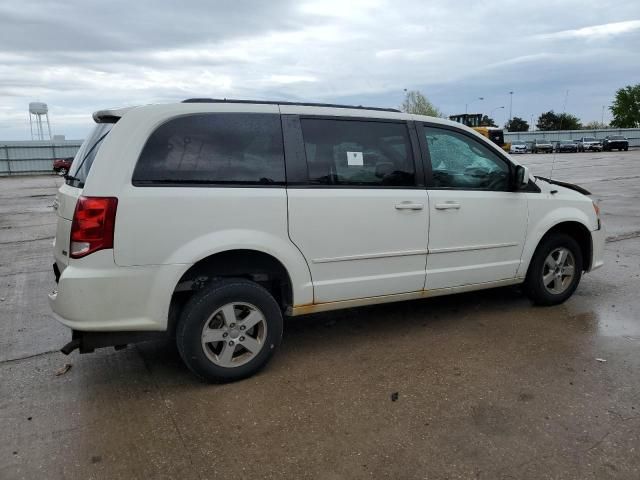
(626, 149)
(537, 285)
(208, 310)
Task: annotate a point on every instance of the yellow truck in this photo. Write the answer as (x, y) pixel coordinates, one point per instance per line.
(474, 120)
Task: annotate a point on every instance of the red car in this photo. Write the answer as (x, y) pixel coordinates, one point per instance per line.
(62, 165)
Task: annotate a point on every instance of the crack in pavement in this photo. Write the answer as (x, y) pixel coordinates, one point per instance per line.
(17, 359)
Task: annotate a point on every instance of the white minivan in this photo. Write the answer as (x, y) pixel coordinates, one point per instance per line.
(208, 220)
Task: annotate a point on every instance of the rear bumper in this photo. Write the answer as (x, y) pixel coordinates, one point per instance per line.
(597, 246)
(87, 342)
(95, 295)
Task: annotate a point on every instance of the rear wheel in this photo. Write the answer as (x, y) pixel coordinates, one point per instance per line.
(229, 330)
(555, 270)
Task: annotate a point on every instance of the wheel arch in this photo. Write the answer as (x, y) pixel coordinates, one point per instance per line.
(256, 265)
(576, 230)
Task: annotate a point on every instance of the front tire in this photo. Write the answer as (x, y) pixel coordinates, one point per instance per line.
(229, 330)
(555, 270)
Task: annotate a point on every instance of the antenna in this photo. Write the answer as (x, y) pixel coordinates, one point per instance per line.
(564, 109)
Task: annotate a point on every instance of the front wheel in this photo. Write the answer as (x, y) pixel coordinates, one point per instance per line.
(555, 270)
(229, 330)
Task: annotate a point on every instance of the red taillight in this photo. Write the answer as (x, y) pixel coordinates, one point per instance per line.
(93, 225)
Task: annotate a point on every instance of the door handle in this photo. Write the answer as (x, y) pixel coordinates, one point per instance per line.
(409, 206)
(448, 206)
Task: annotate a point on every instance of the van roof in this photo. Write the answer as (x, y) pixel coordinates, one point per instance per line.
(274, 102)
(203, 105)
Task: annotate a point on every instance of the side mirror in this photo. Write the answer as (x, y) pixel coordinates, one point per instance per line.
(522, 176)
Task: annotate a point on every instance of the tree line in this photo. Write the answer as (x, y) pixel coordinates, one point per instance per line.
(625, 110)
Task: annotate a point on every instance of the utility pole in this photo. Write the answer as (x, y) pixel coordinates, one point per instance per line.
(466, 105)
(493, 110)
(510, 105)
(602, 119)
(533, 127)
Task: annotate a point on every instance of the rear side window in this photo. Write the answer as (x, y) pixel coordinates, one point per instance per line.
(358, 153)
(85, 156)
(214, 148)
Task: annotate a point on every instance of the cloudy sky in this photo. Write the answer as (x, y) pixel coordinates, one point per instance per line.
(79, 55)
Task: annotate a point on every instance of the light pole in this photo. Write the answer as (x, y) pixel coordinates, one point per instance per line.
(493, 110)
(602, 119)
(510, 105)
(466, 105)
(532, 124)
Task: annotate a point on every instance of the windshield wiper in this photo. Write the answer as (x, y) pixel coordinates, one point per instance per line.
(70, 178)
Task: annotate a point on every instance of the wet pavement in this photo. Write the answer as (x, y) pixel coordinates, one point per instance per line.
(474, 386)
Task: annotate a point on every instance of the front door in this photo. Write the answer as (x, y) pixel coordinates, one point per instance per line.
(361, 216)
(477, 226)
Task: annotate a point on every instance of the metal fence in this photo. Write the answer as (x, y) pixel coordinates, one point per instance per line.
(633, 134)
(24, 157)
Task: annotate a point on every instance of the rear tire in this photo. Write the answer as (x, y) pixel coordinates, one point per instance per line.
(555, 270)
(229, 330)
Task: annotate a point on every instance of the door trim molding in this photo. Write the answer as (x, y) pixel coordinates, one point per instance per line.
(367, 256)
(473, 247)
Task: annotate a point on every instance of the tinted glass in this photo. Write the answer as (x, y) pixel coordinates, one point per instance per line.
(216, 148)
(461, 162)
(85, 156)
(617, 137)
(351, 152)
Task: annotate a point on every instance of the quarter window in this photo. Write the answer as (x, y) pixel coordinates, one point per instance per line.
(463, 163)
(358, 153)
(216, 148)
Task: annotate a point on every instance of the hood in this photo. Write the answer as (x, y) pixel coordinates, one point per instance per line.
(570, 186)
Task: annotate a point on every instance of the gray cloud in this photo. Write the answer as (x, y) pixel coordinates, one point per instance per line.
(82, 56)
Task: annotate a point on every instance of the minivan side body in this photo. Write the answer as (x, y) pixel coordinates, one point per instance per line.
(321, 207)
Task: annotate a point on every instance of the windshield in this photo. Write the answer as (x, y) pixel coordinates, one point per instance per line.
(589, 139)
(617, 137)
(84, 158)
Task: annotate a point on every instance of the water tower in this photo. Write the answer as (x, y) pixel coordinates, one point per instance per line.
(38, 116)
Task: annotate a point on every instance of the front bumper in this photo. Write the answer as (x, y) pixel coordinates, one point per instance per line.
(592, 148)
(598, 238)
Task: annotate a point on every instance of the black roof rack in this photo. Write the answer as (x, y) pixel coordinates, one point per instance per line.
(269, 102)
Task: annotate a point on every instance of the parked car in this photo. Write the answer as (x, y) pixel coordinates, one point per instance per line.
(62, 165)
(613, 142)
(518, 148)
(563, 146)
(589, 144)
(208, 221)
(541, 145)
